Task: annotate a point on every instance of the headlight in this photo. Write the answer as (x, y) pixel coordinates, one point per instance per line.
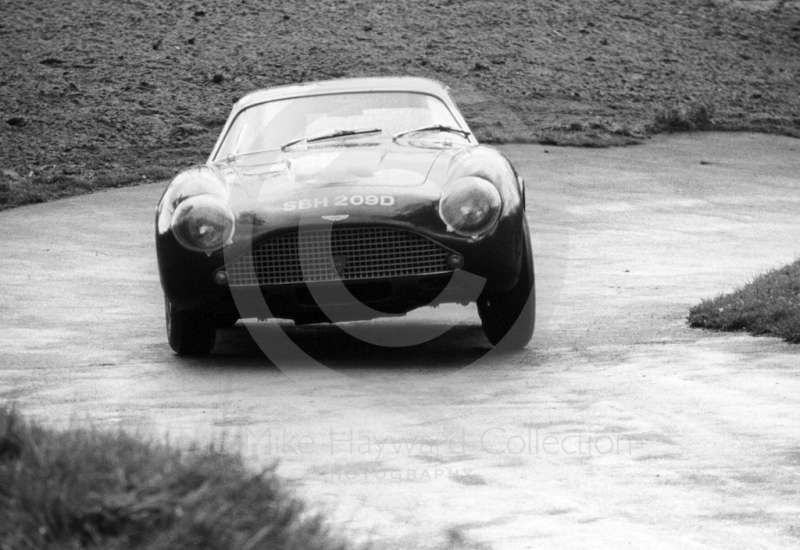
(203, 223)
(470, 206)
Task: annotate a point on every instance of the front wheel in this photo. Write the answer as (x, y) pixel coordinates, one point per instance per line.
(508, 317)
(190, 332)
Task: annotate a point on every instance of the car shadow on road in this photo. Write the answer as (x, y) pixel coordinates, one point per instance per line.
(455, 347)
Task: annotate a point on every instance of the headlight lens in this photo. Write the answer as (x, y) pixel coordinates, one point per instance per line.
(470, 206)
(203, 223)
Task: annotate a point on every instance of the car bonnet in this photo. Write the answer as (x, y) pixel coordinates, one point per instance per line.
(393, 166)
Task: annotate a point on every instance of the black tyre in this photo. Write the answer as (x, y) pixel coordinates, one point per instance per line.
(190, 332)
(508, 317)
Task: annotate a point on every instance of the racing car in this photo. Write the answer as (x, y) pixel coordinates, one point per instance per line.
(345, 200)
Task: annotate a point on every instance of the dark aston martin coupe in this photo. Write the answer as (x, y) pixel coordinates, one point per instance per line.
(345, 200)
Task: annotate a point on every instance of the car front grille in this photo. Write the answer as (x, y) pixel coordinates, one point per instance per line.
(340, 254)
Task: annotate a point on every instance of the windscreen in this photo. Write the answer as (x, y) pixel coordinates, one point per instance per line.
(269, 125)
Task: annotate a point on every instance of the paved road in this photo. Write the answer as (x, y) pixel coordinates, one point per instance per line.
(618, 426)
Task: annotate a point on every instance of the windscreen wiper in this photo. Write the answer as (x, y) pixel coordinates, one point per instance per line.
(331, 135)
(432, 128)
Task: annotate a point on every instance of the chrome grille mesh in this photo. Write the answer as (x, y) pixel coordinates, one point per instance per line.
(360, 252)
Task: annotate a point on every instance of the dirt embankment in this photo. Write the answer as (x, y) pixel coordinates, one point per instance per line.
(96, 94)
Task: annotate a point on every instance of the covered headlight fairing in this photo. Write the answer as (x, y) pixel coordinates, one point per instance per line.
(203, 223)
(470, 206)
(198, 180)
(484, 162)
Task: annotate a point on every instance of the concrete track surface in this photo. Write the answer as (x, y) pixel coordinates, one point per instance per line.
(618, 426)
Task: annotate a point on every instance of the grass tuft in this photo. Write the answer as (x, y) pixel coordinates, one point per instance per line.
(92, 489)
(682, 117)
(770, 304)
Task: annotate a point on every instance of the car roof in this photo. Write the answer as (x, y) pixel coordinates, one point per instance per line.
(345, 85)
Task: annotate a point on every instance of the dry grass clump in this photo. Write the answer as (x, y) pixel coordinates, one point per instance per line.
(770, 304)
(90, 489)
(681, 117)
